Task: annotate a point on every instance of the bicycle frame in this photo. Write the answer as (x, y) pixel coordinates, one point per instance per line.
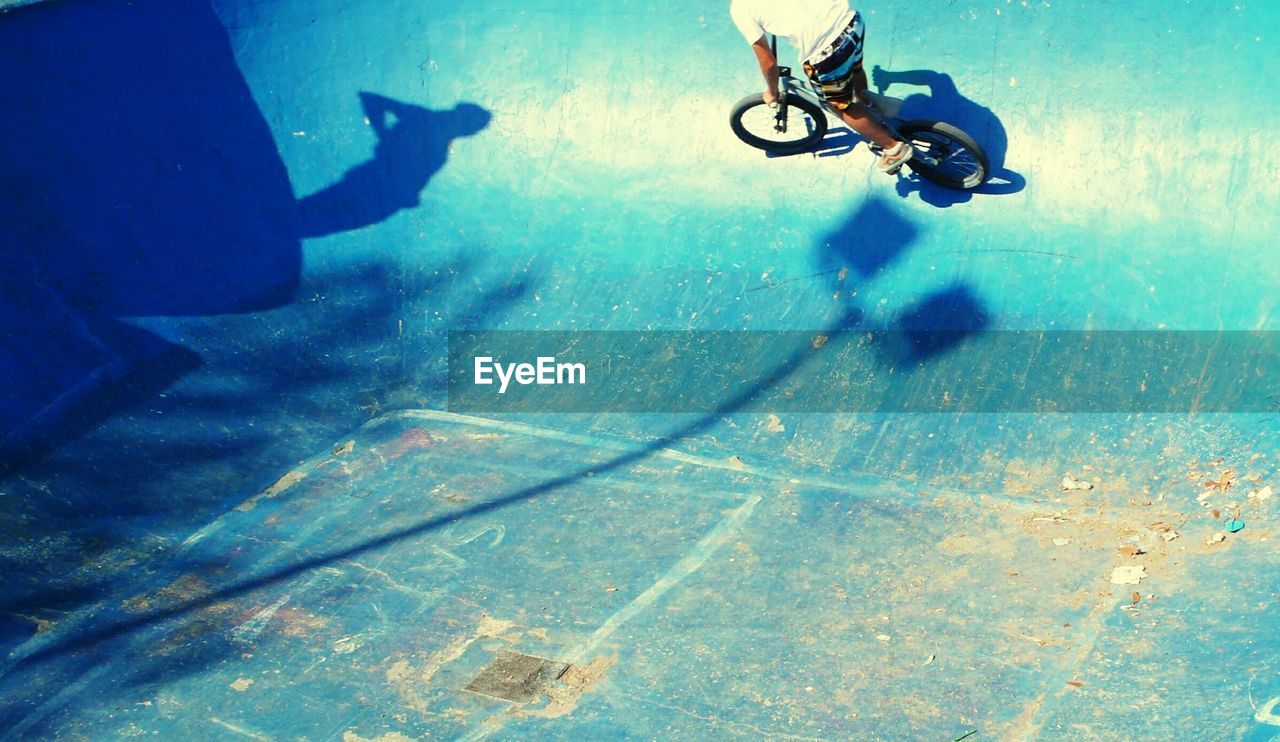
(788, 85)
(883, 109)
(943, 153)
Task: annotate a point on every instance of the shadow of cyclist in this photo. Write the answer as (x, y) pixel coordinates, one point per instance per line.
(413, 143)
(944, 102)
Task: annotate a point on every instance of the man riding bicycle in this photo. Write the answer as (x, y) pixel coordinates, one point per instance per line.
(828, 35)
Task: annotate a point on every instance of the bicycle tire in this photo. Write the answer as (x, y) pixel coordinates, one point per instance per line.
(966, 162)
(752, 128)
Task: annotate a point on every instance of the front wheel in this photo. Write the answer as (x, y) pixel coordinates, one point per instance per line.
(945, 155)
(795, 127)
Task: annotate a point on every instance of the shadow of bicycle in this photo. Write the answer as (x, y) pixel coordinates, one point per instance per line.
(944, 102)
(1000, 182)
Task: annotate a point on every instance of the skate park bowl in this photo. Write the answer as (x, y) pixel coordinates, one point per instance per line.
(856, 457)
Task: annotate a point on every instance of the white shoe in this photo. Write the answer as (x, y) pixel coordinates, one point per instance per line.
(895, 158)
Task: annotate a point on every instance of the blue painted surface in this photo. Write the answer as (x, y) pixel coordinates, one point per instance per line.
(237, 231)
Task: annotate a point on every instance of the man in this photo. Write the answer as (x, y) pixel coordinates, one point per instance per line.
(828, 36)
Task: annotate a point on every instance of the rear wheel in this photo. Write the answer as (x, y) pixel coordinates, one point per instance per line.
(795, 127)
(945, 155)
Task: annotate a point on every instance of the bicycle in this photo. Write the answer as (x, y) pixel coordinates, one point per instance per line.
(945, 154)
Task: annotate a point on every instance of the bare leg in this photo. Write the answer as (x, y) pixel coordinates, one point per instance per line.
(860, 120)
(859, 80)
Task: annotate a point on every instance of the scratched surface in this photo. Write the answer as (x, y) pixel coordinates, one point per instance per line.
(382, 577)
(227, 259)
(692, 596)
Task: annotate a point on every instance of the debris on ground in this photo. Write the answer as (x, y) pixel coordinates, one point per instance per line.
(1061, 541)
(1170, 535)
(1235, 525)
(1129, 574)
(736, 462)
(344, 448)
(1075, 683)
(1130, 551)
(929, 661)
(1261, 494)
(965, 736)
(775, 425)
(1225, 479)
(1033, 639)
(1071, 484)
(1216, 538)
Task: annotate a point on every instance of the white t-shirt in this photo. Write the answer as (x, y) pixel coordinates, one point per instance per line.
(810, 25)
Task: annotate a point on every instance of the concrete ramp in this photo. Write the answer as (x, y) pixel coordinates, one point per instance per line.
(883, 461)
(369, 590)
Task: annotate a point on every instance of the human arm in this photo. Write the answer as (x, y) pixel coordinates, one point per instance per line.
(768, 67)
(376, 107)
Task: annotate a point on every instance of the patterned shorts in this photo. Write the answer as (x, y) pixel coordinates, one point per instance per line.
(833, 68)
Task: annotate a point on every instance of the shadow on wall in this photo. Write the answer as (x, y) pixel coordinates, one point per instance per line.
(869, 241)
(944, 102)
(125, 494)
(413, 143)
(139, 178)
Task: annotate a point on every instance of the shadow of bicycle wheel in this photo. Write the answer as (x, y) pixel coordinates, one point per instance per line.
(1001, 183)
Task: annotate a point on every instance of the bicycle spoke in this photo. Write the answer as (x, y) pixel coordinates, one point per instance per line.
(942, 156)
(761, 121)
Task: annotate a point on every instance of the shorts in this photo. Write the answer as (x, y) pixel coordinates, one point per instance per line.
(833, 67)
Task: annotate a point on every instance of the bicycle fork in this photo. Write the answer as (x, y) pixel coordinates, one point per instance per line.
(780, 116)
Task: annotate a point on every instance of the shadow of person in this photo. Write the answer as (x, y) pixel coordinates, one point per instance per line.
(944, 102)
(413, 144)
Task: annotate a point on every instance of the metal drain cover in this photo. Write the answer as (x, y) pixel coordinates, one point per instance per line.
(516, 677)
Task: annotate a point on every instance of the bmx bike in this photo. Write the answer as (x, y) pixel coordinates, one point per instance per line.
(944, 155)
